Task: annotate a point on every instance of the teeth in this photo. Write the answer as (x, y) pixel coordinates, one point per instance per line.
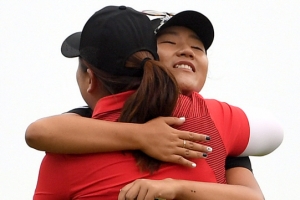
(183, 66)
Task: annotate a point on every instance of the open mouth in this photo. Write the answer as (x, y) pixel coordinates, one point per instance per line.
(184, 66)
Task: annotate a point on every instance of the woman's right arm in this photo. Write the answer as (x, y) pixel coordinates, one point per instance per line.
(242, 185)
(73, 134)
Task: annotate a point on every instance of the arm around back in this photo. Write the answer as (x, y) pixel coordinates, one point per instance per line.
(73, 134)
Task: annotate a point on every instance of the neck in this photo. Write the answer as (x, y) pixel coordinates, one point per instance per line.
(96, 96)
(187, 93)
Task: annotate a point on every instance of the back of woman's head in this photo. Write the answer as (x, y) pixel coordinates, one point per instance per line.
(156, 94)
(119, 45)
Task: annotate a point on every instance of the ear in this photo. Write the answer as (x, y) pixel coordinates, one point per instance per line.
(93, 82)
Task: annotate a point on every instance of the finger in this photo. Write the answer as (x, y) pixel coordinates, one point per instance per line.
(142, 193)
(191, 136)
(124, 190)
(192, 150)
(149, 196)
(185, 134)
(180, 160)
(186, 154)
(134, 192)
(196, 147)
(174, 120)
(122, 194)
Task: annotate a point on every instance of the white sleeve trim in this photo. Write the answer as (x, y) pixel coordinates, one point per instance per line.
(266, 134)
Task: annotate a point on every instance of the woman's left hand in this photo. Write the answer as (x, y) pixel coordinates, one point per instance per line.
(145, 189)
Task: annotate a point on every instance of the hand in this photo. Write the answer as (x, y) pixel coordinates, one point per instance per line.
(159, 140)
(145, 189)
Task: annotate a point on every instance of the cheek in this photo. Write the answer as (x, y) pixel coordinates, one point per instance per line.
(161, 54)
(77, 76)
(80, 78)
(204, 70)
(164, 58)
(203, 65)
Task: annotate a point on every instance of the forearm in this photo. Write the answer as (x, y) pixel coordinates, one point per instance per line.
(73, 134)
(213, 191)
(241, 184)
(70, 133)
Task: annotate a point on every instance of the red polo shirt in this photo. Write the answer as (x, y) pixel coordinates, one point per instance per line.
(102, 175)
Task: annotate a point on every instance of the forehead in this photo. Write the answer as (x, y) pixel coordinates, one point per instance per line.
(178, 31)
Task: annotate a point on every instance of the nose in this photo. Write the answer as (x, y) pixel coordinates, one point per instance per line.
(186, 51)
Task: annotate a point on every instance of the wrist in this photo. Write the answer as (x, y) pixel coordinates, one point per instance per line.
(137, 136)
(133, 136)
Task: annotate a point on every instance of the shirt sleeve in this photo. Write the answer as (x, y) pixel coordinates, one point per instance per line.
(266, 133)
(84, 111)
(232, 162)
(255, 126)
(232, 124)
(52, 181)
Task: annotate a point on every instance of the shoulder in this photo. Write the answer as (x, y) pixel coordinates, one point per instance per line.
(232, 124)
(224, 112)
(84, 111)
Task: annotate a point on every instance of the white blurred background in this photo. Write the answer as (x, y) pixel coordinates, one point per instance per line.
(254, 61)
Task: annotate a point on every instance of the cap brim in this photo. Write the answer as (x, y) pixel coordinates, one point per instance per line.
(70, 47)
(193, 20)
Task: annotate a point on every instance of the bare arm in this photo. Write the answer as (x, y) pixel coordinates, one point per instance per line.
(244, 178)
(241, 186)
(73, 134)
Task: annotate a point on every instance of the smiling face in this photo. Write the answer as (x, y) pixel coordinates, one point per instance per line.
(182, 52)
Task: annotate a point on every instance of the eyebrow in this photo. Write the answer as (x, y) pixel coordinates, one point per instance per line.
(194, 36)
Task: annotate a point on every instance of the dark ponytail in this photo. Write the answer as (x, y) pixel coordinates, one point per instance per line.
(156, 96)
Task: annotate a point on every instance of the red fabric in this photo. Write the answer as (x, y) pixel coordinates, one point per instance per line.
(102, 175)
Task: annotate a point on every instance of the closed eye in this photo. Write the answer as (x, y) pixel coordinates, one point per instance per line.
(198, 48)
(168, 42)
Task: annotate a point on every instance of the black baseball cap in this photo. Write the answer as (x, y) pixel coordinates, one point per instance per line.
(193, 20)
(109, 37)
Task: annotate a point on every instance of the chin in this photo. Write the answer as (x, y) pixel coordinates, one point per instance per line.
(187, 91)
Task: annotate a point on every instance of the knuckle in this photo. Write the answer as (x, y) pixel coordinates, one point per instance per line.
(199, 155)
(180, 159)
(191, 145)
(191, 136)
(187, 152)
